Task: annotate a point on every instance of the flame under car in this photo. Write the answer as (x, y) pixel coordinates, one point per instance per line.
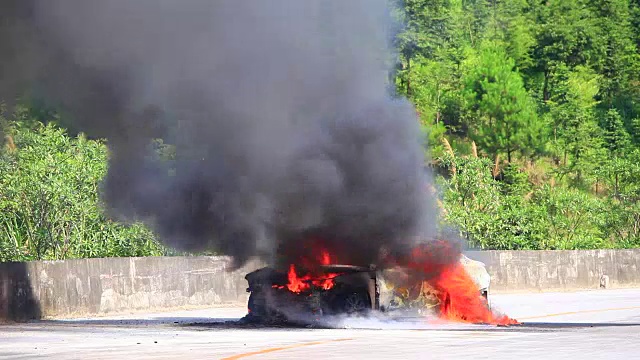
(345, 289)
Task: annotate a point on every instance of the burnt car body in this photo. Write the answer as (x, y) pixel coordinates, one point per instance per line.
(355, 291)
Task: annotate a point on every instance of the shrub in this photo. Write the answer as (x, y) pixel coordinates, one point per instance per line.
(49, 203)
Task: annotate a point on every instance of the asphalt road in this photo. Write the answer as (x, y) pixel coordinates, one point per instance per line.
(586, 325)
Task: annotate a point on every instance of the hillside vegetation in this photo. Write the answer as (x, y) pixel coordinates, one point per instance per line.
(533, 117)
(530, 110)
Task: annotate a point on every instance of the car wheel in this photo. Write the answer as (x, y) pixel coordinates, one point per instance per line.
(356, 303)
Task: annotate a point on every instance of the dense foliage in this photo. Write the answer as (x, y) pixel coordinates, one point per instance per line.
(531, 108)
(533, 114)
(49, 203)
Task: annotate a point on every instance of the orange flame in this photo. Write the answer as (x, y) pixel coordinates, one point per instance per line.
(298, 284)
(460, 299)
(326, 258)
(459, 296)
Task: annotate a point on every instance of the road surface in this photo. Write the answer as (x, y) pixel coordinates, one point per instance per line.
(585, 325)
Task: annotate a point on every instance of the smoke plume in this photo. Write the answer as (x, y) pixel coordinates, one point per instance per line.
(280, 113)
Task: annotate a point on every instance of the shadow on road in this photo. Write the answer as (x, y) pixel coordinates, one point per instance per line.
(203, 324)
(537, 327)
(551, 325)
(527, 327)
(183, 322)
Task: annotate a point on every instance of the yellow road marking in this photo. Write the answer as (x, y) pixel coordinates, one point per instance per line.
(579, 312)
(287, 347)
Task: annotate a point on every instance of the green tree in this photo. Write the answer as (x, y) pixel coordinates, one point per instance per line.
(621, 63)
(424, 33)
(504, 116)
(616, 137)
(577, 138)
(618, 142)
(566, 32)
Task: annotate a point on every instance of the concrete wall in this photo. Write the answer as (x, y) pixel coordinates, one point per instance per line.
(101, 286)
(560, 270)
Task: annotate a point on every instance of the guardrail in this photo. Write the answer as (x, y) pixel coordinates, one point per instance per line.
(560, 269)
(83, 287)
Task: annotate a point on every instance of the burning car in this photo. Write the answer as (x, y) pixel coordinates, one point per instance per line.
(278, 296)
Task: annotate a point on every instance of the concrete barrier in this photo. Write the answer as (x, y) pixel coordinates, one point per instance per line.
(560, 270)
(88, 287)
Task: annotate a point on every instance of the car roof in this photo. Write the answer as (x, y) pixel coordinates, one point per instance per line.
(344, 268)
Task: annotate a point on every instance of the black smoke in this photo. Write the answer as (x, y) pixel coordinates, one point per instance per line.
(280, 113)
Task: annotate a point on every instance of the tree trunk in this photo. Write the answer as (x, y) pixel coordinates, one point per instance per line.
(578, 172)
(408, 77)
(545, 88)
